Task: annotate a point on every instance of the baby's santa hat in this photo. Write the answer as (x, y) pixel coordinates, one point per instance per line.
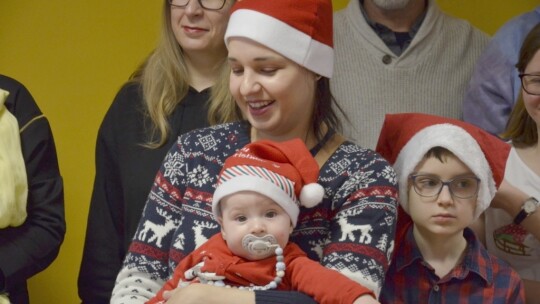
(406, 138)
(300, 30)
(283, 171)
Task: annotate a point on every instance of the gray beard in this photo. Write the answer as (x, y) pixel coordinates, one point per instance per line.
(391, 4)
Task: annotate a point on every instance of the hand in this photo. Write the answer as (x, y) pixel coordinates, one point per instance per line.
(510, 199)
(202, 293)
(366, 299)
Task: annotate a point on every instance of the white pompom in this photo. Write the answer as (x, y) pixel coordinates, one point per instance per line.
(311, 195)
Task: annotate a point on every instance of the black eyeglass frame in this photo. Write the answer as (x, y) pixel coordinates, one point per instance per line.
(523, 84)
(200, 3)
(413, 178)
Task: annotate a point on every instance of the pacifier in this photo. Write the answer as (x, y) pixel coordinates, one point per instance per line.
(260, 247)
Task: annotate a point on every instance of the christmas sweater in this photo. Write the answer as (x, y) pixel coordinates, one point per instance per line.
(301, 273)
(351, 230)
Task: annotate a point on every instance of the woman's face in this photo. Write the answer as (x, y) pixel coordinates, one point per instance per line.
(532, 102)
(199, 30)
(275, 94)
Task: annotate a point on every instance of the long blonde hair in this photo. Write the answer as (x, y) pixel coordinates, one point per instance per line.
(164, 80)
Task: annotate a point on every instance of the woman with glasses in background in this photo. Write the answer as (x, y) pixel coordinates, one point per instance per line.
(512, 230)
(178, 88)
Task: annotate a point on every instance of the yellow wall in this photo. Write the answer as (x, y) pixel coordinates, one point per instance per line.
(74, 55)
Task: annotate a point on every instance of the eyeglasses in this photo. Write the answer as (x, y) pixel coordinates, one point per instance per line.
(430, 185)
(212, 5)
(530, 83)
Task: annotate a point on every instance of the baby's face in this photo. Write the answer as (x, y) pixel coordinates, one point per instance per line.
(249, 212)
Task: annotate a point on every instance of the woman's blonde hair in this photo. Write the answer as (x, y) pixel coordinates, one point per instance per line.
(164, 80)
(521, 128)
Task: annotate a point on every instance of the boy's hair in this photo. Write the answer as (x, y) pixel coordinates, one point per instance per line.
(439, 153)
(407, 138)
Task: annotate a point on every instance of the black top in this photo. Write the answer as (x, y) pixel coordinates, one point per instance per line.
(125, 171)
(28, 249)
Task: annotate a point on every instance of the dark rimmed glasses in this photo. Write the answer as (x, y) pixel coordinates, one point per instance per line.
(431, 186)
(530, 83)
(213, 5)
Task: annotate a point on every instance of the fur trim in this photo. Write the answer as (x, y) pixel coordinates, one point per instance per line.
(311, 195)
(459, 142)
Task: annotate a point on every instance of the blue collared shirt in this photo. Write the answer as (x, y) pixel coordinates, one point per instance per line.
(495, 84)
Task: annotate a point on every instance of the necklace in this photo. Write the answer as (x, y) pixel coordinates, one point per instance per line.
(213, 279)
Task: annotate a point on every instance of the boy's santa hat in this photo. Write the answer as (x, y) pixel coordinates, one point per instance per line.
(300, 30)
(406, 138)
(283, 171)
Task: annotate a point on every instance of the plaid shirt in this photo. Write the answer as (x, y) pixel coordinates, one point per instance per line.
(479, 278)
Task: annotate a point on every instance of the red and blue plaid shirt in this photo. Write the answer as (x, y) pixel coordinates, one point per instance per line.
(479, 278)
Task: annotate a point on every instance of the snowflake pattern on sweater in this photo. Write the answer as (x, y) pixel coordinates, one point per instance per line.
(351, 230)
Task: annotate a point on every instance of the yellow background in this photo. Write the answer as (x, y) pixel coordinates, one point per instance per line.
(74, 55)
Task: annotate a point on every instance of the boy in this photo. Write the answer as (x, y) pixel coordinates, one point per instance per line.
(257, 203)
(448, 172)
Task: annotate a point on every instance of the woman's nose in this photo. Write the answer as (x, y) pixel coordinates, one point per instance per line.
(249, 85)
(193, 8)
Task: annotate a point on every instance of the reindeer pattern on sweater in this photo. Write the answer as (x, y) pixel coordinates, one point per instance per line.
(351, 230)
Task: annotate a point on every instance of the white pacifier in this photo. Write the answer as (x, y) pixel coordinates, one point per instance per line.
(260, 247)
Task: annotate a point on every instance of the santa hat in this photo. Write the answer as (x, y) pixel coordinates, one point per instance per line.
(300, 30)
(406, 138)
(285, 172)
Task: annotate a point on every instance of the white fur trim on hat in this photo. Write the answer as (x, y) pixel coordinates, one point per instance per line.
(311, 195)
(259, 185)
(282, 38)
(461, 144)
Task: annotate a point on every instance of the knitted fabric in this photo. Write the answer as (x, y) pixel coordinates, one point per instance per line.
(285, 172)
(125, 172)
(301, 274)
(429, 77)
(351, 230)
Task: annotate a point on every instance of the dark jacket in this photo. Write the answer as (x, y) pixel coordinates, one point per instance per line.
(28, 249)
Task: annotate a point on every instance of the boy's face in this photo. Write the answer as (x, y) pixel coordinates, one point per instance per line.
(443, 214)
(249, 212)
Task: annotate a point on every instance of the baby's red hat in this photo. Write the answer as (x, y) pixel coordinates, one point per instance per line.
(286, 172)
